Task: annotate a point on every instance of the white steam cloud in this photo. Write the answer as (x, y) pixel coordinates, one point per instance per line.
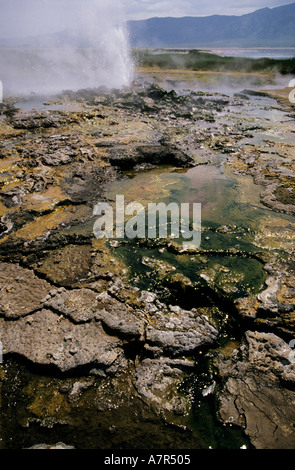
(47, 46)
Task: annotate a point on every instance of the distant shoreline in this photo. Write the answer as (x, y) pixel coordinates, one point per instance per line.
(199, 61)
(160, 71)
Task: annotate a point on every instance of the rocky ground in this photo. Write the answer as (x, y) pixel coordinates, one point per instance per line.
(90, 359)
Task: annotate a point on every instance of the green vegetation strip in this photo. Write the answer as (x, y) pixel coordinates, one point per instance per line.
(205, 61)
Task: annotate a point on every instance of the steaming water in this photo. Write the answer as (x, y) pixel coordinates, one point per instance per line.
(256, 53)
(251, 53)
(64, 45)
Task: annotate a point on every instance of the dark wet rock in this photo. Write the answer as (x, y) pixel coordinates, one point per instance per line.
(37, 247)
(129, 101)
(149, 154)
(258, 394)
(66, 266)
(85, 183)
(90, 413)
(55, 150)
(60, 157)
(7, 107)
(280, 198)
(242, 96)
(285, 196)
(38, 121)
(104, 144)
(162, 155)
(157, 93)
(144, 167)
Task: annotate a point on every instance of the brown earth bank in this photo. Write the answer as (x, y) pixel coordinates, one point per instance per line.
(94, 361)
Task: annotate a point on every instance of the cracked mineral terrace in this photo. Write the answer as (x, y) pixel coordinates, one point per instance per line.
(142, 344)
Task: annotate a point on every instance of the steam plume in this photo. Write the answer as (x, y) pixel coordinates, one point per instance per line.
(50, 45)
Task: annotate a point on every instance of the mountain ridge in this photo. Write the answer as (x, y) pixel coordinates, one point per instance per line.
(264, 27)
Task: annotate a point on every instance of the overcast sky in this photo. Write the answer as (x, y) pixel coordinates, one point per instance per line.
(141, 9)
(34, 17)
(20, 18)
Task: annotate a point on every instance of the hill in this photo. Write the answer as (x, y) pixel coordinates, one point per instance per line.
(267, 27)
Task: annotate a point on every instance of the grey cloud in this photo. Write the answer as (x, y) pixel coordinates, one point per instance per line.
(140, 9)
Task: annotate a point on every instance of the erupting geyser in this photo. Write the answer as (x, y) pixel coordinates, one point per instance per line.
(47, 46)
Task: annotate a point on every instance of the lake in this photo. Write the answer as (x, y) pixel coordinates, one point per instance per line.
(255, 53)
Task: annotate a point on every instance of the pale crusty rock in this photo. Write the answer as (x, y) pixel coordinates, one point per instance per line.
(269, 296)
(176, 331)
(48, 339)
(119, 317)
(21, 291)
(274, 306)
(57, 446)
(156, 380)
(83, 305)
(77, 304)
(255, 395)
